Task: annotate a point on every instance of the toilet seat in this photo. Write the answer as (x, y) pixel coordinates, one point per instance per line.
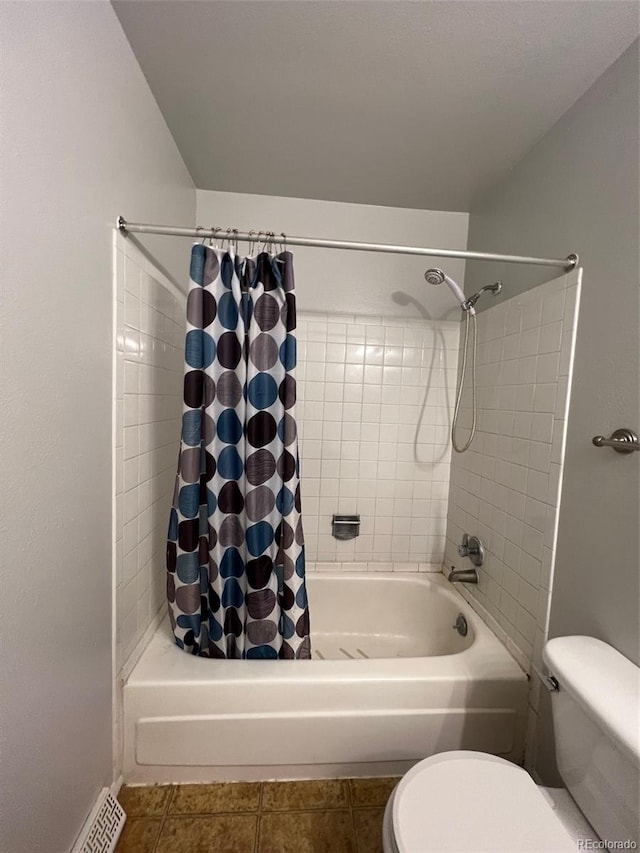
(472, 802)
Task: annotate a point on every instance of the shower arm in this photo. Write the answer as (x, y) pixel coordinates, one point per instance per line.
(469, 304)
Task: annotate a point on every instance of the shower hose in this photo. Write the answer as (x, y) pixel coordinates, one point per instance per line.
(458, 448)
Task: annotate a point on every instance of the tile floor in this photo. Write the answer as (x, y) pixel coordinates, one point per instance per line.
(324, 816)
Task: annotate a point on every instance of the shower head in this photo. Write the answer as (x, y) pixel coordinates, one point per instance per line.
(436, 276)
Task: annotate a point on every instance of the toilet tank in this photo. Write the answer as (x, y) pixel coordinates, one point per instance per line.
(596, 720)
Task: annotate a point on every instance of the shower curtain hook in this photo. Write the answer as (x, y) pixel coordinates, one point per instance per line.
(235, 239)
(284, 241)
(214, 236)
(201, 228)
(278, 247)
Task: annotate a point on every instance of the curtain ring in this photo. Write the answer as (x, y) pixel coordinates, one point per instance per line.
(267, 241)
(200, 228)
(235, 239)
(284, 241)
(251, 242)
(214, 236)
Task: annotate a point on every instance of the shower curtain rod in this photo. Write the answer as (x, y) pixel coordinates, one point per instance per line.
(125, 228)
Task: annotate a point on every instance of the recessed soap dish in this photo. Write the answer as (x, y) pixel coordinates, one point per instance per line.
(345, 526)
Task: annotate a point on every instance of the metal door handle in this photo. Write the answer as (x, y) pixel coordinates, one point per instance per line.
(622, 440)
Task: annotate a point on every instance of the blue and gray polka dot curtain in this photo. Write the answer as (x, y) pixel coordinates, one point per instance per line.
(235, 551)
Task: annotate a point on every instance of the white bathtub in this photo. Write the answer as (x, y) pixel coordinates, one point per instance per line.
(391, 682)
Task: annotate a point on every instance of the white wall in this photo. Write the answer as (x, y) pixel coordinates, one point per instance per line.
(83, 140)
(349, 282)
(577, 191)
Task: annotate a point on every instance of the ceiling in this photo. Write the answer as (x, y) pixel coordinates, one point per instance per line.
(408, 104)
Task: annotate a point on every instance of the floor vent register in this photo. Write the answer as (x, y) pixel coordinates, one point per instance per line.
(103, 826)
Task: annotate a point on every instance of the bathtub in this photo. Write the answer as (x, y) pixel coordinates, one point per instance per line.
(391, 681)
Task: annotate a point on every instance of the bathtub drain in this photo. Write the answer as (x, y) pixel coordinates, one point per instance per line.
(461, 625)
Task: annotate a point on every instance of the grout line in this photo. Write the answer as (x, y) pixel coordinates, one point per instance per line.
(212, 814)
(163, 817)
(353, 829)
(349, 793)
(157, 841)
(259, 819)
(310, 809)
(170, 798)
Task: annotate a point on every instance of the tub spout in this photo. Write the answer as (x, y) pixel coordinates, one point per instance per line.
(463, 576)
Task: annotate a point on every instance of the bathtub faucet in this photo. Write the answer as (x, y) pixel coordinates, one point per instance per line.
(463, 576)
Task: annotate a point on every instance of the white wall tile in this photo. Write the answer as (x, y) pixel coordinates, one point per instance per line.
(150, 328)
(382, 387)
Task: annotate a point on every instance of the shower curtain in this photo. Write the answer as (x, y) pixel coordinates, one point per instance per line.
(235, 551)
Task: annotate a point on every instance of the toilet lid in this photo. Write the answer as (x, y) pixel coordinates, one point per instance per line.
(470, 801)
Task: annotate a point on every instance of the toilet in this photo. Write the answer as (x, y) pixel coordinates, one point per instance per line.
(473, 802)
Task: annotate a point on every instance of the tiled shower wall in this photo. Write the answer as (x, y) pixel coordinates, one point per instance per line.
(148, 371)
(375, 397)
(506, 488)
(149, 368)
